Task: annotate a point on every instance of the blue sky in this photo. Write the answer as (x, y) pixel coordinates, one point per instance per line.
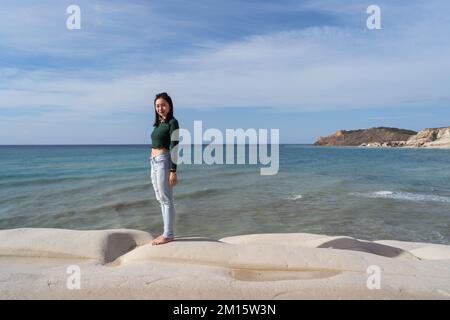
(308, 68)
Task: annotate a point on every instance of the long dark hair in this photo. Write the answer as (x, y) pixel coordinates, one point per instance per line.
(166, 97)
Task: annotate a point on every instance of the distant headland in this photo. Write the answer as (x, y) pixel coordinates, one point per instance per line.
(389, 137)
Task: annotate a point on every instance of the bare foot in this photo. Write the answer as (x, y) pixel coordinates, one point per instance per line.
(157, 239)
(161, 240)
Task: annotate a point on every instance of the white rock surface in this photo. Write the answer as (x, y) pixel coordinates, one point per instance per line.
(122, 264)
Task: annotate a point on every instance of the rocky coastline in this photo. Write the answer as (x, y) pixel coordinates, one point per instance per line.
(389, 137)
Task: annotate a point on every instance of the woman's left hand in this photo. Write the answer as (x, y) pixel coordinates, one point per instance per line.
(173, 179)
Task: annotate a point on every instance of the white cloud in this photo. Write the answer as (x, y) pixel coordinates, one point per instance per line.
(314, 69)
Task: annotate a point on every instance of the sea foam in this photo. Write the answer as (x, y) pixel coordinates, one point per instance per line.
(404, 196)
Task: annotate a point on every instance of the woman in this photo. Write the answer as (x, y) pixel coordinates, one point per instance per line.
(163, 169)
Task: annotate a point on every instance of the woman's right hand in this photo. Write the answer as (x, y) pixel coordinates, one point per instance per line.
(173, 179)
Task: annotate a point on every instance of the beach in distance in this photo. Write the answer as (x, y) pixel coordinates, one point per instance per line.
(332, 223)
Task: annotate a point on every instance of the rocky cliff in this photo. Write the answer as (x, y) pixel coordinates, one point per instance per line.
(378, 135)
(389, 137)
(433, 137)
(428, 138)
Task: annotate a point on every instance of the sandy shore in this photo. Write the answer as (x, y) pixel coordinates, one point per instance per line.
(122, 264)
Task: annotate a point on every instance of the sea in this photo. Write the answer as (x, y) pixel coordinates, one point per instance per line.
(366, 193)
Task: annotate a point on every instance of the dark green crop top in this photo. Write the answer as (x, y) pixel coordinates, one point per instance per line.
(161, 138)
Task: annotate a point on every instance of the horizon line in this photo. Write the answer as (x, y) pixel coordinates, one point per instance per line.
(137, 144)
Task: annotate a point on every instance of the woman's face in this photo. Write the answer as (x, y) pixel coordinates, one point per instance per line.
(162, 107)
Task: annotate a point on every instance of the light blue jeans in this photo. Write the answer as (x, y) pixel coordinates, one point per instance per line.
(164, 192)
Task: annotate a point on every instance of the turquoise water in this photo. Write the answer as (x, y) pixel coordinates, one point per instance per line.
(401, 194)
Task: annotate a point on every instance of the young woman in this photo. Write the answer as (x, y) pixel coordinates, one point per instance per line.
(163, 169)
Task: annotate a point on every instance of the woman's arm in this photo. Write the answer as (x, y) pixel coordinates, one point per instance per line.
(174, 136)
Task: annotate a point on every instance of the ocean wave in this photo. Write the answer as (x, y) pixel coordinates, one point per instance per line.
(124, 189)
(13, 199)
(295, 197)
(199, 193)
(228, 174)
(44, 181)
(53, 180)
(404, 196)
(40, 181)
(120, 206)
